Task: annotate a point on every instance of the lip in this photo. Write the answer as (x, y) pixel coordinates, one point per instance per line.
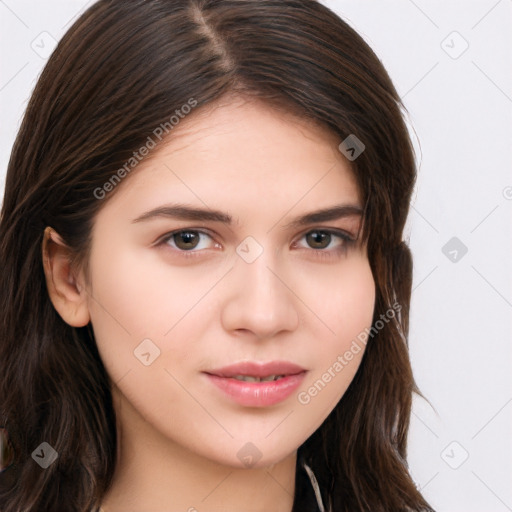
(256, 369)
(257, 394)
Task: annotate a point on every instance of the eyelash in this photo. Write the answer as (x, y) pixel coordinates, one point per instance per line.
(346, 239)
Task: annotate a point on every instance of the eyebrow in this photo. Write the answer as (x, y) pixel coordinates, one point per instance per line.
(184, 212)
(325, 215)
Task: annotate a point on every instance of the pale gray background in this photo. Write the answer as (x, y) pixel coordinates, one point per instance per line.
(460, 105)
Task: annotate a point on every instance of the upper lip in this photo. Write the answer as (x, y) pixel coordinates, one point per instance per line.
(257, 369)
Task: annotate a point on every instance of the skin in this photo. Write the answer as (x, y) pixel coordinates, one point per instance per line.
(178, 434)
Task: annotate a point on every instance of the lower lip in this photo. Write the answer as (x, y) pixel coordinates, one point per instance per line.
(258, 394)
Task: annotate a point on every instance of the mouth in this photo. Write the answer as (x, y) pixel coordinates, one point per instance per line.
(255, 384)
(250, 378)
(256, 370)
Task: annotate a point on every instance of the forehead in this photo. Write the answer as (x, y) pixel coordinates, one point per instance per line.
(251, 121)
(240, 152)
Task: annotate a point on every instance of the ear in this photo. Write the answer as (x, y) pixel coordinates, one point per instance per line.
(67, 291)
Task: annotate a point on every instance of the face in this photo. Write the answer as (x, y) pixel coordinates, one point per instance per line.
(208, 271)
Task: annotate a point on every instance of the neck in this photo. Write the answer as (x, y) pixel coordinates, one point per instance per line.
(153, 472)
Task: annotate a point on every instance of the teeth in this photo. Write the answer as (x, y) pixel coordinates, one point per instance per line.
(248, 378)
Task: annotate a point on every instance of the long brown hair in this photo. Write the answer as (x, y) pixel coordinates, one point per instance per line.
(121, 71)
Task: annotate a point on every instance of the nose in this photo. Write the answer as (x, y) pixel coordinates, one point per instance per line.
(259, 301)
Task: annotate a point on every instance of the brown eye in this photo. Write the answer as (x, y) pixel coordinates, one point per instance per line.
(186, 240)
(326, 243)
(318, 239)
(189, 243)
(189, 239)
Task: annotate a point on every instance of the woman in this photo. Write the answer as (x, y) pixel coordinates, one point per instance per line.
(205, 292)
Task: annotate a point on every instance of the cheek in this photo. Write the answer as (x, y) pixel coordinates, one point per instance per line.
(355, 300)
(138, 297)
(346, 302)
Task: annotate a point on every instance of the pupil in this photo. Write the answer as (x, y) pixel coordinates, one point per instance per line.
(319, 239)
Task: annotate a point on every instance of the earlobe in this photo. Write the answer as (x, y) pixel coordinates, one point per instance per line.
(67, 293)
